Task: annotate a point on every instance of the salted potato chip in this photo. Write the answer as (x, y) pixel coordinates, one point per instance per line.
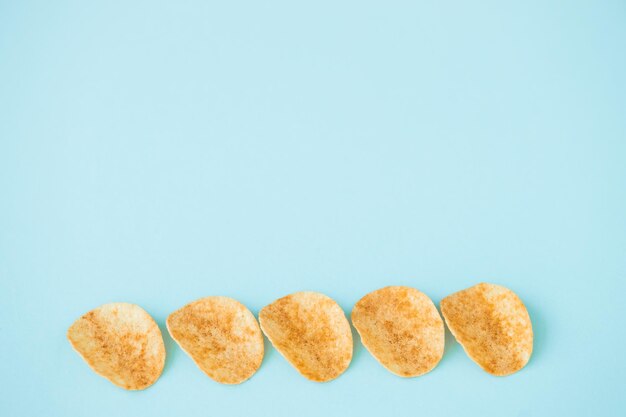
(492, 325)
(311, 331)
(222, 337)
(401, 328)
(120, 342)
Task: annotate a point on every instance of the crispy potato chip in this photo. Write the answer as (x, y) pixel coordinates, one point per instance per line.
(401, 328)
(222, 337)
(311, 331)
(492, 325)
(122, 343)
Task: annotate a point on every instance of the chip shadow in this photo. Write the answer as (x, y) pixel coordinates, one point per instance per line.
(171, 347)
(452, 347)
(357, 346)
(539, 332)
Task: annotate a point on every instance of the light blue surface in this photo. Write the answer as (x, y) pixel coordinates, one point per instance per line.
(158, 152)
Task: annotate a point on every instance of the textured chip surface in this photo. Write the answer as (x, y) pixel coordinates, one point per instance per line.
(222, 337)
(120, 342)
(311, 331)
(493, 326)
(401, 327)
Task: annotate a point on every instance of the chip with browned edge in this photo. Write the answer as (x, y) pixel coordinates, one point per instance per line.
(222, 337)
(311, 331)
(493, 326)
(401, 328)
(120, 342)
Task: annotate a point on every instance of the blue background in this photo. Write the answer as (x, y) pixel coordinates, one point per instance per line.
(157, 152)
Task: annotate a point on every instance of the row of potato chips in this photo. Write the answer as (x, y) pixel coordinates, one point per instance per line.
(400, 326)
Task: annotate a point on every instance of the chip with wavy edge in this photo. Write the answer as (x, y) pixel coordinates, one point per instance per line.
(121, 342)
(311, 331)
(401, 327)
(493, 326)
(221, 336)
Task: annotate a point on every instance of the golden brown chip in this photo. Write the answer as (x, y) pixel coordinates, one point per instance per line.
(401, 328)
(311, 331)
(222, 337)
(492, 325)
(120, 342)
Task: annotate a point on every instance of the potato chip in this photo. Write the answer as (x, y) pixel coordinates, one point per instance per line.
(401, 328)
(311, 331)
(492, 325)
(222, 337)
(122, 343)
